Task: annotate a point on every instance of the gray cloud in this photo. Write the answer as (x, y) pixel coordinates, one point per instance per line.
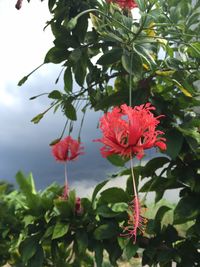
(25, 146)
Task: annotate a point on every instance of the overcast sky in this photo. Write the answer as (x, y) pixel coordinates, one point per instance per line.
(24, 145)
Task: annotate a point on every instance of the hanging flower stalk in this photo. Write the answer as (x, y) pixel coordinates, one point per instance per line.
(128, 132)
(66, 150)
(135, 219)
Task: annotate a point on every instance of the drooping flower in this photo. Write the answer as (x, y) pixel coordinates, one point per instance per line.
(129, 131)
(67, 149)
(128, 4)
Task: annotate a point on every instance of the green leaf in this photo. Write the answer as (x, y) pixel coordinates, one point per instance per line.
(37, 118)
(130, 249)
(161, 212)
(51, 4)
(156, 225)
(28, 248)
(70, 111)
(106, 212)
(184, 90)
(98, 188)
(56, 55)
(159, 185)
(82, 240)
(132, 63)
(3, 188)
(55, 94)
(146, 55)
(72, 23)
(174, 63)
(153, 165)
(26, 184)
(122, 242)
(81, 28)
(194, 50)
(175, 14)
(117, 160)
(98, 249)
(72, 198)
(193, 19)
(32, 201)
(192, 132)
(22, 81)
(141, 4)
(174, 143)
(120, 207)
(113, 250)
(68, 81)
(110, 57)
(37, 259)
(152, 227)
(75, 55)
(166, 256)
(80, 71)
(185, 8)
(110, 36)
(114, 195)
(106, 231)
(48, 232)
(63, 207)
(60, 230)
(187, 209)
(170, 234)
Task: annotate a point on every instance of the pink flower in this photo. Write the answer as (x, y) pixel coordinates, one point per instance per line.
(129, 131)
(67, 149)
(129, 4)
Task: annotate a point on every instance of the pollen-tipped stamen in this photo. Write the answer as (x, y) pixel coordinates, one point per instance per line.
(136, 221)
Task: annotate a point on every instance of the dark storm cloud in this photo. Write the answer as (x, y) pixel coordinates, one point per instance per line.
(25, 146)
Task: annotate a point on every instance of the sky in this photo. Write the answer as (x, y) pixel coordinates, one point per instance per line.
(23, 145)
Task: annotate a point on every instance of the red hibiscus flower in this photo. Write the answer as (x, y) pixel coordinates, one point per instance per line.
(129, 4)
(129, 131)
(67, 149)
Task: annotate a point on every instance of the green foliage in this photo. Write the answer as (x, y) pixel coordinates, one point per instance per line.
(42, 233)
(158, 56)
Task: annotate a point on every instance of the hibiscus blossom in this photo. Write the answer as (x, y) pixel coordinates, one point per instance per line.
(67, 149)
(129, 4)
(129, 131)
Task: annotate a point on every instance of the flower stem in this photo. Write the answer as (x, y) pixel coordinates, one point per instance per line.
(133, 178)
(130, 84)
(66, 187)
